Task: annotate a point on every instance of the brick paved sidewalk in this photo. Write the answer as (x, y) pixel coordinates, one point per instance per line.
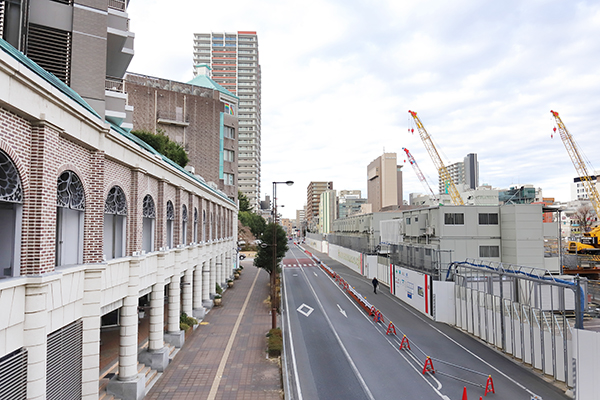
(246, 372)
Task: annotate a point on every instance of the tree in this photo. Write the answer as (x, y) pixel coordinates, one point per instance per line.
(585, 216)
(244, 202)
(165, 146)
(264, 259)
(264, 256)
(255, 222)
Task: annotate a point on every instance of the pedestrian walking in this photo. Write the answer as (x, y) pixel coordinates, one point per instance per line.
(375, 284)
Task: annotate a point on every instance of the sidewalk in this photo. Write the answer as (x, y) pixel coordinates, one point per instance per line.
(213, 363)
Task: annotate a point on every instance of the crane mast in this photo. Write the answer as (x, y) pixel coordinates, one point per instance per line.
(578, 162)
(418, 171)
(437, 160)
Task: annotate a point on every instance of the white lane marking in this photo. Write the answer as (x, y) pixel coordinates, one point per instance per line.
(289, 330)
(342, 311)
(305, 310)
(315, 273)
(339, 340)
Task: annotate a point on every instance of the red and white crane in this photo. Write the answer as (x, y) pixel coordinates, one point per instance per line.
(418, 171)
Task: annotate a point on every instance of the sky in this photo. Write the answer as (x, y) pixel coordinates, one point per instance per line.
(339, 76)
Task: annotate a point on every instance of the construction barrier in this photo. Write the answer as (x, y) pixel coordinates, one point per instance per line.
(391, 328)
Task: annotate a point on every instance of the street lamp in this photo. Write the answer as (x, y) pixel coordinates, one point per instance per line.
(274, 299)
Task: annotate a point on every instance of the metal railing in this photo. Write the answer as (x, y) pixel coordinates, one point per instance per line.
(114, 84)
(117, 5)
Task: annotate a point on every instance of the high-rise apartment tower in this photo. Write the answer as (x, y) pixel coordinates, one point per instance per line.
(384, 182)
(313, 198)
(233, 59)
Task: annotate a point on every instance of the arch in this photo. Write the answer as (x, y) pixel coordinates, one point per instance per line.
(115, 220)
(11, 215)
(148, 223)
(70, 214)
(170, 211)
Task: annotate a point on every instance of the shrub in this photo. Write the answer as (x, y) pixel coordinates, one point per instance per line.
(274, 342)
(218, 289)
(184, 319)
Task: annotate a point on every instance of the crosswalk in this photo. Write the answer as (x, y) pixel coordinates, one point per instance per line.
(298, 265)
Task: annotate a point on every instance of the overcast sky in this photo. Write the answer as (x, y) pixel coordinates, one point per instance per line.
(339, 77)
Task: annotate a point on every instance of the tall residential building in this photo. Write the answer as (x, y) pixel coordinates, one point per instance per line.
(327, 211)
(233, 58)
(384, 185)
(313, 197)
(464, 174)
(85, 44)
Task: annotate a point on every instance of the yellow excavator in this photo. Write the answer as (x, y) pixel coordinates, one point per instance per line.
(589, 241)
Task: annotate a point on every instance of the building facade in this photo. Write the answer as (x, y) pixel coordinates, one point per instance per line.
(349, 203)
(464, 174)
(313, 198)
(84, 43)
(233, 58)
(199, 115)
(384, 182)
(94, 220)
(327, 211)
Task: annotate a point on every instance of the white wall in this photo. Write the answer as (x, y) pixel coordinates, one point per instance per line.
(414, 288)
(586, 344)
(443, 302)
(350, 258)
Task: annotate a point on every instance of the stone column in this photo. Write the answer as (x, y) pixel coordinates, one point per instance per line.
(174, 335)
(157, 355)
(206, 300)
(128, 384)
(90, 362)
(198, 307)
(187, 291)
(35, 338)
(213, 278)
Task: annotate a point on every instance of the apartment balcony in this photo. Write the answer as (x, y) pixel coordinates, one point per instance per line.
(119, 42)
(172, 118)
(115, 100)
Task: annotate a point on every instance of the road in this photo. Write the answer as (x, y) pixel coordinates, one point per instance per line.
(334, 350)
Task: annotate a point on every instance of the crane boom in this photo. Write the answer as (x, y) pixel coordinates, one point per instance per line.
(418, 171)
(578, 162)
(437, 160)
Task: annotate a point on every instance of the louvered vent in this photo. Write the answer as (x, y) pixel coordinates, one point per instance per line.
(63, 368)
(51, 49)
(13, 375)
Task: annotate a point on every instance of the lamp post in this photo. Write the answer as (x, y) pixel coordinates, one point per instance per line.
(274, 299)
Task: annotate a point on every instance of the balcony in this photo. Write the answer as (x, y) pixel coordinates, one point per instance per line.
(117, 5)
(172, 118)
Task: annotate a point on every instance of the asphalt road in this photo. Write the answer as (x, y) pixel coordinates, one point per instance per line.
(334, 350)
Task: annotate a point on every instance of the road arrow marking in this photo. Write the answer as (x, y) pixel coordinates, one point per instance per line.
(305, 310)
(342, 311)
(315, 273)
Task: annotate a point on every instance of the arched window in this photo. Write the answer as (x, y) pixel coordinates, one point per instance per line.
(195, 225)
(70, 209)
(211, 227)
(11, 200)
(148, 218)
(184, 221)
(115, 220)
(203, 225)
(170, 219)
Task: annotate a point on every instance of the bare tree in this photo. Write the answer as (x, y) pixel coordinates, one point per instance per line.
(585, 215)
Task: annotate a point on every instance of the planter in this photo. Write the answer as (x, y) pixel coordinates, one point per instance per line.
(230, 284)
(217, 301)
(236, 275)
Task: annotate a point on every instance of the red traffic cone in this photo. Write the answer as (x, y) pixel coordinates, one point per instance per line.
(464, 394)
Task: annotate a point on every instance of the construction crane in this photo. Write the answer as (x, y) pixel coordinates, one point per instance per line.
(589, 242)
(437, 160)
(420, 175)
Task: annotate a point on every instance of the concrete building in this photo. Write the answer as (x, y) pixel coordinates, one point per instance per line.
(313, 197)
(85, 44)
(94, 223)
(200, 115)
(464, 174)
(578, 190)
(233, 58)
(327, 211)
(384, 182)
(349, 203)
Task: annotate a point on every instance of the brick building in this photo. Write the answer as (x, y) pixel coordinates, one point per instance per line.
(94, 221)
(200, 115)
